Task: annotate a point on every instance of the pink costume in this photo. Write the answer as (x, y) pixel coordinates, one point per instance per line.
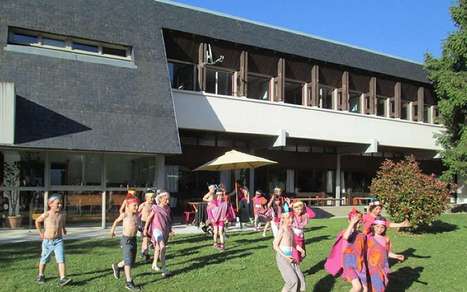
(378, 248)
(161, 224)
(259, 202)
(219, 212)
(335, 258)
(298, 226)
(353, 258)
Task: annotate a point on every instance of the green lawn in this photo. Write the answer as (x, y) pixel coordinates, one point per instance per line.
(435, 262)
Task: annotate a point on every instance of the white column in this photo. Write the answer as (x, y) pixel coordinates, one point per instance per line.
(461, 191)
(46, 180)
(338, 179)
(160, 172)
(290, 181)
(104, 194)
(252, 181)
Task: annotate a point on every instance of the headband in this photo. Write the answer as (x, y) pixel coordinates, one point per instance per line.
(379, 222)
(132, 201)
(54, 197)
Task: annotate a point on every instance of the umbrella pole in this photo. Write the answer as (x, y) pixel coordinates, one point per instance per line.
(238, 206)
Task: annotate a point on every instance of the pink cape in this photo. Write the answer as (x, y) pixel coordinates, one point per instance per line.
(334, 261)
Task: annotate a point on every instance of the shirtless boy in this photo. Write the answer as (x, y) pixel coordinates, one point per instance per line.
(52, 241)
(128, 242)
(144, 210)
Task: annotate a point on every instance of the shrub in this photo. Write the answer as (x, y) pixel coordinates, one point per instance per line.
(407, 193)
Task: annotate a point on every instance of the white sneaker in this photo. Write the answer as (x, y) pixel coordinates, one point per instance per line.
(165, 272)
(156, 268)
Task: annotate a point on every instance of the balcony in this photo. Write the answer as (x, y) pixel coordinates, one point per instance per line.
(209, 112)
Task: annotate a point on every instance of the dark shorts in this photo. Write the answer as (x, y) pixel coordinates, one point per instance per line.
(141, 226)
(128, 245)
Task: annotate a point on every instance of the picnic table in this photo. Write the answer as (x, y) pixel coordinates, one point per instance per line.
(200, 211)
(361, 200)
(327, 201)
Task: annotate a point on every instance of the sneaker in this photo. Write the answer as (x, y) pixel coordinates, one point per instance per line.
(116, 270)
(131, 286)
(166, 273)
(40, 279)
(63, 281)
(156, 268)
(221, 247)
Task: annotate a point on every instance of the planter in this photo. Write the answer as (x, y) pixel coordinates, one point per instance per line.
(14, 221)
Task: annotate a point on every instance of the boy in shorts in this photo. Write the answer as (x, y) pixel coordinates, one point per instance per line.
(144, 210)
(52, 241)
(128, 242)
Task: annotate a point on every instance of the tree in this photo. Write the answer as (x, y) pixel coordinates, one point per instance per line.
(407, 193)
(449, 77)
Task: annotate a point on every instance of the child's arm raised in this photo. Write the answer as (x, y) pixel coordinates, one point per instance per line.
(122, 207)
(38, 224)
(399, 257)
(141, 206)
(353, 221)
(114, 225)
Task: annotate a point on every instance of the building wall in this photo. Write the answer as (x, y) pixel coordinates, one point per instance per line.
(71, 104)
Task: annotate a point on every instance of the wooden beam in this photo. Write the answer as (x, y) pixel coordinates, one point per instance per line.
(202, 60)
(397, 100)
(243, 74)
(372, 96)
(314, 86)
(280, 81)
(421, 103)
(344, 100)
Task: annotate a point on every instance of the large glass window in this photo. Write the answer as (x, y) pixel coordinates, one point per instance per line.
(130, 171)
(381, 106)
(75, 169)
(354, 102)
(325, 97)
(258, 87)
(426, 113)
(182, 75)
(219, 82)
(404, 110)
(293, 92)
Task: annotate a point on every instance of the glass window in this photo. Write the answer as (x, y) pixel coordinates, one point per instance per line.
(114, 52)
(404, 110)
(414, 111)
(354, 102)
(75, 169)
(258, 87)
(325, 97)
(182, 75)
(380, 106)
(85, 47)
(24, 39)
(53, 42)
(130, 170)
(219, 82)
(293, 92)
(426, 113)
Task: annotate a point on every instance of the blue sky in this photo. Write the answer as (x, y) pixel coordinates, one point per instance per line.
(402, 28)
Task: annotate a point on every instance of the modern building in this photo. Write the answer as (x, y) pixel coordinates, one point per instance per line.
(99, 96)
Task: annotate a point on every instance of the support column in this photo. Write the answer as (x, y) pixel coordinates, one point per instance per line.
(344, 100)
(461, 190)
(243, 74)
(46, 180)
(279, 81)
(290, 181)
(314, 86)
(421, 103)
(104, 194)
(397, 100)
(202, 60)
(372, 96)
(225, 178)
(160, 172)
(338, 179)
(252, 182)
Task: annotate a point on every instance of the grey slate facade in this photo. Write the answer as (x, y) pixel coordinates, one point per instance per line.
(76, 105)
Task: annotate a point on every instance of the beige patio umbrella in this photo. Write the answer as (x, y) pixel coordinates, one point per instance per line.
(232, 160)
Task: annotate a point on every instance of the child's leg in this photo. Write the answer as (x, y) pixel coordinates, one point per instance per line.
(266, 227)
(60, 257)
(47, 249)
(61, 270)
(356, 286)
(215, 232)
(288, 273)
(221, 234)
(144, 245)
(157, 250)
(301, 278)
(256, 221)
(162, 253)
(127, 270)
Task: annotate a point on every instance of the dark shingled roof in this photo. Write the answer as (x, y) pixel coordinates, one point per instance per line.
(215, 25)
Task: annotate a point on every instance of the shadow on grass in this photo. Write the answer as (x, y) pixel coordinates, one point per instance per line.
(436, 227)
(402, 279)
(408, 253)
(316, 268)
(325, 284)
(314, 228)
(316, 239)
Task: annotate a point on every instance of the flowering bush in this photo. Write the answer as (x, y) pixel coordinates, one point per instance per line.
(407, 193)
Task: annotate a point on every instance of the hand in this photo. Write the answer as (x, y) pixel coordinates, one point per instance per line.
(354, 220)
(400, 257)
(406, 223)
(41, 235)
(112, 234)
(172, 233)
(145, 232)
(290, 259)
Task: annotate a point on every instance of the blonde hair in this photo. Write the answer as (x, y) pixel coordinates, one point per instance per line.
(162, 194)
(149, 194)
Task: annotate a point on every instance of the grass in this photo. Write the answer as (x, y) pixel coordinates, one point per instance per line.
(435, 262)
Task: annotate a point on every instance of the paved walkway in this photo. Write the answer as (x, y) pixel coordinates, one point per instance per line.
(26, 235)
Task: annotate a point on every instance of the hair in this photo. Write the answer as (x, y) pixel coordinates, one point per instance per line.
(298, 203)
(149, 194)
(54, 197)
(372, 227)
(161, 194)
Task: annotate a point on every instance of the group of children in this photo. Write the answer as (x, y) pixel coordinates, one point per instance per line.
(362, 258)
(152, 218)
(358, 257)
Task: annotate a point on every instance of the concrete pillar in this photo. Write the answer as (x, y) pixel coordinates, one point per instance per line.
(252, 181)
(159, 179)
(225, 178)
(338, 179)
(461, 191)
(104, 194)
(46, 179)
(290, 181)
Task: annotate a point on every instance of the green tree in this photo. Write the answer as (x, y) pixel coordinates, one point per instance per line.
(449, 77)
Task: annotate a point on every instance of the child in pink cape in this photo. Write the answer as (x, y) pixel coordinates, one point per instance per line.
(159, 226)
(274, 211)
(347, 256)
(378, 252)
(374, 210)
(300, 216)
(259, 208)
(219, 211)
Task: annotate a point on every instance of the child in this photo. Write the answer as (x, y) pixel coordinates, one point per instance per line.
(353, 264)
(300, 217)
(159, 226)
(284, 246)
(374, 210)
(275, 207)
(144, 210)
(219, 208)
(259, 208)
(378, 252)
(52, 241)
(128, 242)
(131, 194)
